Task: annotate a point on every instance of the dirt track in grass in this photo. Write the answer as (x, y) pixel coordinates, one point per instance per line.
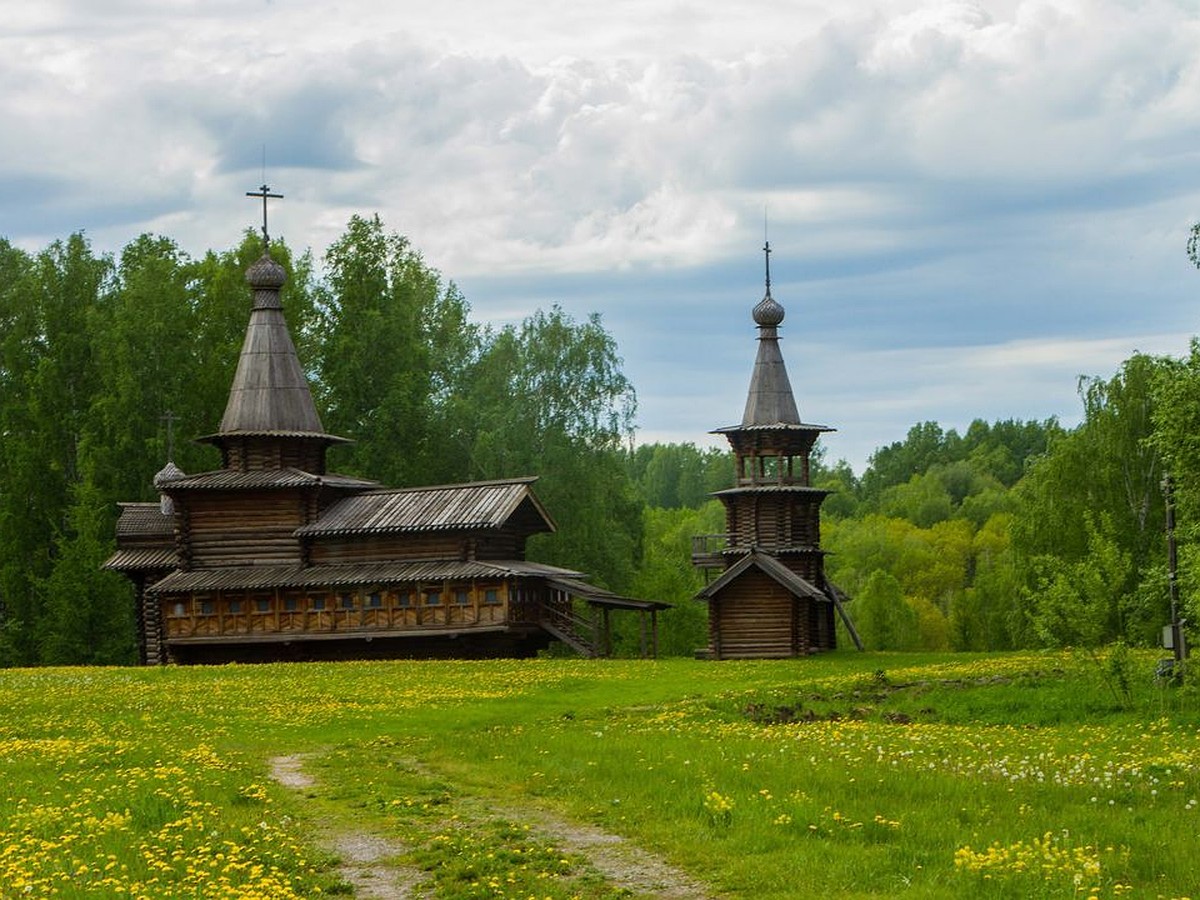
(372, 862)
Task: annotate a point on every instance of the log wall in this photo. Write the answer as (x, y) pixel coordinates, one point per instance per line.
(247, 528)
(754, 617)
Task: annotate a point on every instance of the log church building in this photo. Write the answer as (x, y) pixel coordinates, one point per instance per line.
(273, 557)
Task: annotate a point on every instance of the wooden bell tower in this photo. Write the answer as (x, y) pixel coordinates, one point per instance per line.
(772, 598)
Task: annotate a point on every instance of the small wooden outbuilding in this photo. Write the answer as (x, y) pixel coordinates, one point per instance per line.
(771, 598)
(271, 556)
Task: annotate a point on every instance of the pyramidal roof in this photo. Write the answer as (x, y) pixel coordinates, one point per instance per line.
(770, 400)
(269, 395)
(770, 403)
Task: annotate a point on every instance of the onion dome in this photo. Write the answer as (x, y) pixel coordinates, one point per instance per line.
(167, 473)
(768, 313)
(265, 274)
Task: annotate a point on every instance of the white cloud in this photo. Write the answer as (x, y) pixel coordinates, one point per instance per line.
(969, 200)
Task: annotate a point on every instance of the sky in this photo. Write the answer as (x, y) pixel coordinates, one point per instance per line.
(970, 205)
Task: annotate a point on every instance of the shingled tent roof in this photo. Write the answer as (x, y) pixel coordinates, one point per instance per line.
(770, 402)
(269, 395)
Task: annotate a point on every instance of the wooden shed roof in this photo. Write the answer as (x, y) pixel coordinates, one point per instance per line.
(773, 568)
(143, 520)
(142, 559)
(349, 574)
(600, 597)
(471, 506)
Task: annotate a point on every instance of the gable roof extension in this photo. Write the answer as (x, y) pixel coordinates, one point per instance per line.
(773, 568)
(474, 506)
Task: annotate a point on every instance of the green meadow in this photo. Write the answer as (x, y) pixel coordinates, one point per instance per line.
(1055, 775)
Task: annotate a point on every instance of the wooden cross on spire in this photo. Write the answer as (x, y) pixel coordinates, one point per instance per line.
(767, 255)
(169, 417)
(265, 193)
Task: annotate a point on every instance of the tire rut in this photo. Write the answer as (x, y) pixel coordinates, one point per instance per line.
(368, 860)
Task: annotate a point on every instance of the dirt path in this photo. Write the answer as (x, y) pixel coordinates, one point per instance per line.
(368, 861)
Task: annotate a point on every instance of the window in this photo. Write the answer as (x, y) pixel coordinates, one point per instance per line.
(235, 606)
(375, 600)
(404, 599)
(177, 610)
(290, 604)
(318, 604)
(433, 598)
(347, 601)
(491, 596)
(207, 608)
(462, 597)
(262, 604)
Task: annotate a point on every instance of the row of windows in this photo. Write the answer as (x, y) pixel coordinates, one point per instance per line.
(459, 596)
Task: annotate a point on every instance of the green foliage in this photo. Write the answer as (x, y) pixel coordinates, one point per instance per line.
(392, 346)
(883, 619)
(1089, 516)
(87, 616)
(549, 397)
(671, 476)
(1079, 603)
(666, 574)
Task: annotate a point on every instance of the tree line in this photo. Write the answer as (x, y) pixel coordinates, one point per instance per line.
(1011, 534)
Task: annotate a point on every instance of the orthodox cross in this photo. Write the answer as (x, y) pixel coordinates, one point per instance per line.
(170, 417)
(767, 255)
(265, 193)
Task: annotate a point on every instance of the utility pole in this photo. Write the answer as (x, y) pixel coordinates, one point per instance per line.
(1178, 643)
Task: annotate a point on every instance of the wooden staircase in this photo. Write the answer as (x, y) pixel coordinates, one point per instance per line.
(577, 632)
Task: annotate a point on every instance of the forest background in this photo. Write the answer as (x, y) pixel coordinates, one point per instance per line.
(1013, 534)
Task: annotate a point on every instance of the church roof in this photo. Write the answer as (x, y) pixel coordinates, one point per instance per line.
(144, 520)
(471, 506)
(770, 403)
(231, 479)
(773, 568)
(269, 395)
(136, 559)
(348, 574)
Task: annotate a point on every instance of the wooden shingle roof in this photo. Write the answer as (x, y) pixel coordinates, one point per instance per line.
(773, 568)
(226, 479)
(143, 520)
(269, 395)
(228, 578)
(473, 506)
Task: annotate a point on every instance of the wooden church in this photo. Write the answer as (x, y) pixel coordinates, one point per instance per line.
(273, 557)
(771, 597)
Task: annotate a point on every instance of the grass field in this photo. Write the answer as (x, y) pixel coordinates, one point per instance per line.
(847, 775)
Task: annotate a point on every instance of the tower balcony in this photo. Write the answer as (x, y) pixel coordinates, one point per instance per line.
(708, 550)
